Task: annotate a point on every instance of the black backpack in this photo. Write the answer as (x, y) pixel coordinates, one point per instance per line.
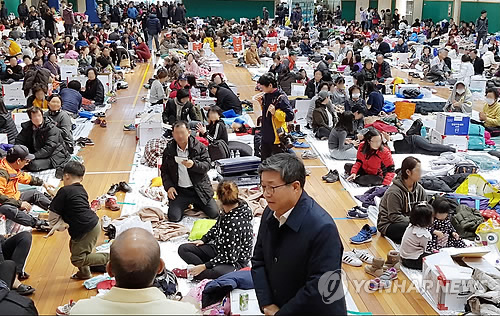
(11, 303)
(166, 281)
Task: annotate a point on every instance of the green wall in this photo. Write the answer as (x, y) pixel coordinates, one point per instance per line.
(373, 3)
(349, 10)
(472, 10)
(436, 10)
(12, 6)
(228, 9)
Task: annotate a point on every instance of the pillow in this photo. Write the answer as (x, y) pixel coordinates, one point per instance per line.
(200, 228)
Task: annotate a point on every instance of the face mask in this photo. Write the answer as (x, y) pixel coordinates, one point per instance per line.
(54, 113)
(460, 91)
(490, 101)
(356, 95)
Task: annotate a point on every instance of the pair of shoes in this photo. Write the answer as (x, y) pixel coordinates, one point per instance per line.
(103, 123)
(105, 222)
(122, 186)
(65, 309)
(25, 289)
(308, 126)
(84, 141)
(331, 177)
(384, 281)
(350, 258)
(100, 114)
(79, 276)
(298, 144)
(357, 212)
(364, 235)
(112, 204)
(97, 121)
(130, 127)
(309, 155)
(393, 261)
(95, 205)
(376, 268)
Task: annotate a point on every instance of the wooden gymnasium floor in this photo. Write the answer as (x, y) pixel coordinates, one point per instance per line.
(109, 161)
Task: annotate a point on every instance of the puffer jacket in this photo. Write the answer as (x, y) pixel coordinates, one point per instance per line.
(63, 122)
(9, 180)
(153, 25)
(45, 142)
(37, 75)
(68, 16)
(198, 153)
(8, 127)
(466, 220)
(169, 115)
(379, 163)
(396, 204)
(234, 246)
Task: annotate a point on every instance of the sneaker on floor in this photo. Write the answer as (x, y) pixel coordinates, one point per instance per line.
(309, 155)
(326, 175)
(95, 205)
(113, 189)
(103, 123)
(124, 187)
(65, 309)
(332, 177)
(363, 255)
(360, 208)
(363, 236)
(105, 222)
(111, 204)
(377, 284)
(348, 257)
(298, 144)
(130, 127)
(355, 213)
(298, 134)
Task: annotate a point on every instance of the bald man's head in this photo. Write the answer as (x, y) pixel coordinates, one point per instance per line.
(135, 259)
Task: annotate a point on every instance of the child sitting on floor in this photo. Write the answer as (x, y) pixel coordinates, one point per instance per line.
(72, 204)
(443, 233)
(417, 236)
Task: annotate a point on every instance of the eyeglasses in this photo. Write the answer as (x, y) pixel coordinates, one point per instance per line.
(271, 189)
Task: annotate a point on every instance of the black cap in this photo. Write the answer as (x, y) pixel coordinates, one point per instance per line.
(19, 152)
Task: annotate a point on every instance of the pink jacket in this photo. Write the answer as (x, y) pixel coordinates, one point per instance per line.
(71, 55)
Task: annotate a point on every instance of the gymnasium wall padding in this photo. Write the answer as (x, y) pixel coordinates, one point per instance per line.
(228, 9)
(472, 10)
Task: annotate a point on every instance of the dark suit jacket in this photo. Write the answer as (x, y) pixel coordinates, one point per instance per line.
(288, 261)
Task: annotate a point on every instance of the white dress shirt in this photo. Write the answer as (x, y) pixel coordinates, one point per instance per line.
(282, 219)
(184, 179)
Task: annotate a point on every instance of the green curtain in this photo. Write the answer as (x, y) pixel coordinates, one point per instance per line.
(470, 11)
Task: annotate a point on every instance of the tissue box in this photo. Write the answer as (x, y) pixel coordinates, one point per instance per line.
(452, 123)
(459, 142)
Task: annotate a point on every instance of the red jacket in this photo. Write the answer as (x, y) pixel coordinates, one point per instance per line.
(273, 34)
(377, 163)
(175, 86)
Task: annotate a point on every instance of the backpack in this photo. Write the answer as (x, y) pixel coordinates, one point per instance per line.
(474, 201)
(466, 166)
(476, 137)
(11, 303)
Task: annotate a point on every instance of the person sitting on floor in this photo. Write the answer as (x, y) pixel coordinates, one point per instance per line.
(382, 68)
(226, 99)
(71, 97)
(374, 164)
(277, 67)
(305, 47)
(252, 56)
(320, 120)
(224, 248)
(323, 92)
(264, 50)
(52, 66)
(324, 66)
(358, 124)
(218, 79)
(179, 109)
(179, 84)
(71, 204)
(358, 66)
(157, 92)
(12, 303)
(368, 72)
(489, 59)
(142, 50)
(44, 140)
(354, 99)
(394, 209)
(312, 86)
(490, 115)
(134, 262)
(341, 147)
(7, 124)
(338, 93)
(290, 61)
(416, 236)
(466, 70)
(375, 101)
(94, 89)
(439, 71)
(460, 99)
(444, 235)
(401, 46)
(62, 120)
(184, 173)
(13, 71)
(38, 97)
(216, 129)
(349, 59)
(477, 62)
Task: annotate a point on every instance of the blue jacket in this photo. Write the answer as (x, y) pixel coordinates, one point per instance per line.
(215, 290)
(71, 99)
(132, 13)
(153, 25)
(305, 49)
(289, 261)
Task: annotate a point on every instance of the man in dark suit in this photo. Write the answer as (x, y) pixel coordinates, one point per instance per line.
(297, 259)
(477, 61)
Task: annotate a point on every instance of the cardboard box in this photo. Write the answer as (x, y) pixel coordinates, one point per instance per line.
(68, 71)
(452, 123)
(107, 82)
(298, 89)
(301, 109)
(204, 101)
(149, 130)
(459, 142)
(448, 283)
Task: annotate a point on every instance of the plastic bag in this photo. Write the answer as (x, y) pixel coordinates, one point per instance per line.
(132, 222)
(404, 110)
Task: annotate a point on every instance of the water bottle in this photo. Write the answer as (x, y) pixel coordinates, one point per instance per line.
(423, 132)
(237, 155)
(232, 154)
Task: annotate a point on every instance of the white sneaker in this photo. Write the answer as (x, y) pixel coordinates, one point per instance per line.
(65, 309)
(309, 155)
(351, 259)
(364, 255)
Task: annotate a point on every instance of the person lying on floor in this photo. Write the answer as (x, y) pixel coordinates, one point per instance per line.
(224, 248)
(490, 115)
(184, 173)
(460, 99)
(341, 147)
(44, 140)
(394, 208)
(71, 203)
(417, 144)
(374, 164)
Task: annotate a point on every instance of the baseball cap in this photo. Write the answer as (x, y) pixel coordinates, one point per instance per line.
(20, 152)
(182, 77)
(323, 95)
